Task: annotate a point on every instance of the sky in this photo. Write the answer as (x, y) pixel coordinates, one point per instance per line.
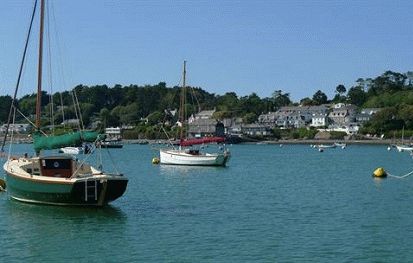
(258, 46)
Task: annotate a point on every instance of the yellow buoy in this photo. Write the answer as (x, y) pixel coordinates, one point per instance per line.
(380, 172)
(155, 160)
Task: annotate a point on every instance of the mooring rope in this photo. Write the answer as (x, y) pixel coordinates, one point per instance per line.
(400, 177)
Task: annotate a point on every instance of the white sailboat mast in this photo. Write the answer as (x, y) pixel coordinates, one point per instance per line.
(183, 100)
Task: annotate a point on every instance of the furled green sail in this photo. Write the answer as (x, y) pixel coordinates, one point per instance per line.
(91, 136)
(75, 139)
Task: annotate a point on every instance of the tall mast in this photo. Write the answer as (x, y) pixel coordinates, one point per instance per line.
(39, 66)
(183, 99)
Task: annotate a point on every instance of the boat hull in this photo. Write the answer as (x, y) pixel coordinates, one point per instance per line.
(402, 148)
(322, 146)
(83, 192)
(111, 145)
(178, 157)
(71, 150)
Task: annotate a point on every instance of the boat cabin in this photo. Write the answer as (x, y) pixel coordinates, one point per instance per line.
(56, 166)
(192, 151)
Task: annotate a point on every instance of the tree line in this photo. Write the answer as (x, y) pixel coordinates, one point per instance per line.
(149, 105)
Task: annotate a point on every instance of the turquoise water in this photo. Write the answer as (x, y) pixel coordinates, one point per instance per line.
(271, 204)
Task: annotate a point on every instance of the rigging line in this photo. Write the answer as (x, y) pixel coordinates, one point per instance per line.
(20, 74)
(113, 163)
(59, 49)
(193, 95)
(50, 67)
(80, 112)
(400, 177)
(194, 98)
(11, 135)
(27, 119)
(74, 105)
(63, 110)
(167, 136)
(87, 156)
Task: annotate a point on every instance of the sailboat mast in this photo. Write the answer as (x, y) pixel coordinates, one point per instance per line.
(183, 99)
(39, 66)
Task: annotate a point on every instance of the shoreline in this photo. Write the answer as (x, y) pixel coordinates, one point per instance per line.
(367, 142)
(292, 141)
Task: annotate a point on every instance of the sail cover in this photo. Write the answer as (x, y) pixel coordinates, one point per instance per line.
(204, 140)
(55, 142)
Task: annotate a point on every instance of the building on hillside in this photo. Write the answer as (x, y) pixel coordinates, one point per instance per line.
(232, 126)
(202, 115)
(366, 114)
(370, 111)
(205, 128)
(202, 124)
(363, 117)
(255, 129)
(298, 120)
(342, 114)
(292, 116)
(350, 128)
(113, 133)
(20, 128)
(319, 120)
(71, 122)
(269, 119)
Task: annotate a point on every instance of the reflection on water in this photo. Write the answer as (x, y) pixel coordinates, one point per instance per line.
(19, 209)
(378, 181)
(185, 170)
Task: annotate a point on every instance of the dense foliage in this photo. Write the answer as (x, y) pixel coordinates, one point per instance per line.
(149, 105)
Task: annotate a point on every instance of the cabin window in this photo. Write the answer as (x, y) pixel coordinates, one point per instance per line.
(57, 167)
(56, 163)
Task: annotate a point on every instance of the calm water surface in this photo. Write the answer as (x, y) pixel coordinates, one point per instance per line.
(271, 204)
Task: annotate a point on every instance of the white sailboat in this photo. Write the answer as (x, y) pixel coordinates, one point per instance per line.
(404, 147)
(324, 146)
(72, 150)
(189, 156)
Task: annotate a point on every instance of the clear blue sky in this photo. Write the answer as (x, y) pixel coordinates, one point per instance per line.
(241, 46)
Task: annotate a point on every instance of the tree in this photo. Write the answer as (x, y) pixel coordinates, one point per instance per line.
(406, 114)
(228, 102)
(306, 102)
(5, 102)
(220, 115)
(155, 118)
(319, 98)
(385, 120)
(249, 118)
(251, 104)
(104, 116)
(356, 95)
(340, 89)
(281, 99)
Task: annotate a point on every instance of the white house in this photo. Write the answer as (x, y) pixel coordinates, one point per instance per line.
(319, 120)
